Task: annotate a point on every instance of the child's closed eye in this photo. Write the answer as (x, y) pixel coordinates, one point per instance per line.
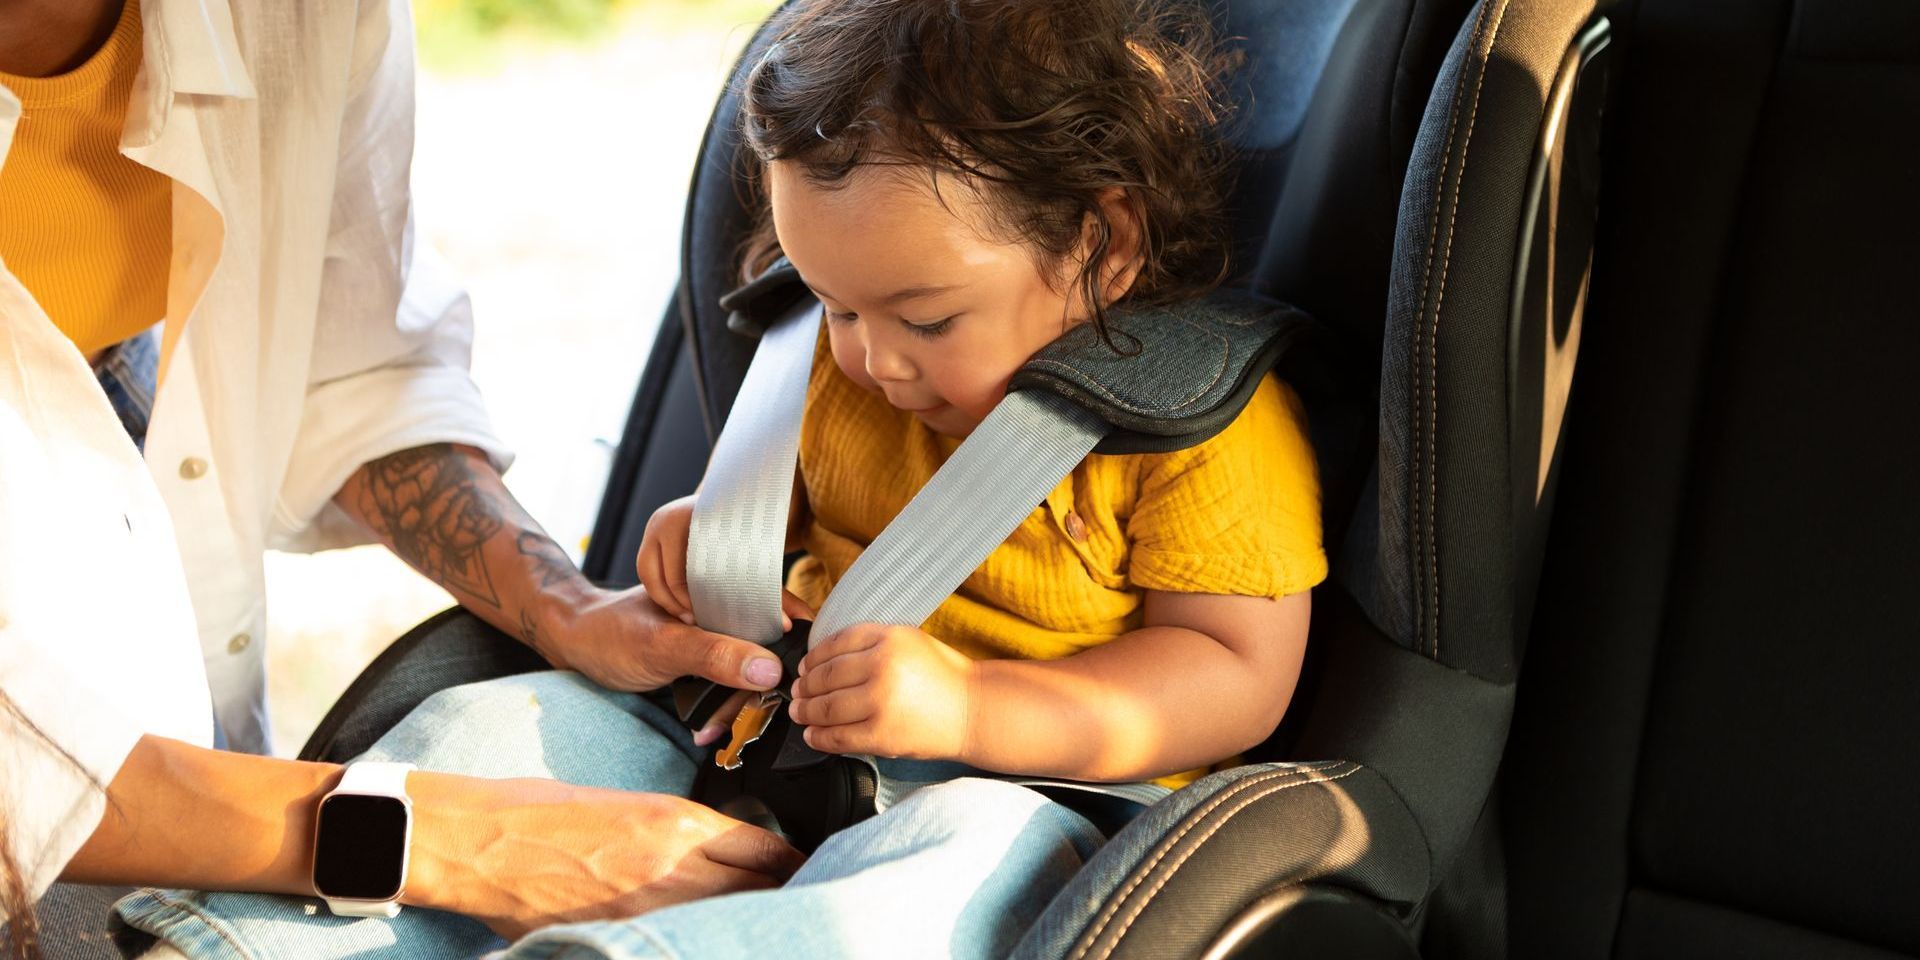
(929, 330)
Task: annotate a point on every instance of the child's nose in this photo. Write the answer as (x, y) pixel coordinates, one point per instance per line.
(887, 365)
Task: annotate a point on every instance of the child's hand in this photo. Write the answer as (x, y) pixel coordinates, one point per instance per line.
(885, 690)
(662, 563)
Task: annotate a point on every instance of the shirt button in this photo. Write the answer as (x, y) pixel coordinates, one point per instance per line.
(239, 643)
(1076, 528)
(193, 468)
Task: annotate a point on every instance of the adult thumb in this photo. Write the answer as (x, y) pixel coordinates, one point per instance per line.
(733, 662)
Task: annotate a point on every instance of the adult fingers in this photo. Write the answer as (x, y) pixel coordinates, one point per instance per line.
(722, 719)
(747, 847)
(730, 661)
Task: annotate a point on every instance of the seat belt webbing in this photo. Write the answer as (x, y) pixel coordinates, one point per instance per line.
(1006, 466)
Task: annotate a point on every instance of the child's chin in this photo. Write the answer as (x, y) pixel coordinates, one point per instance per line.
(947, 421)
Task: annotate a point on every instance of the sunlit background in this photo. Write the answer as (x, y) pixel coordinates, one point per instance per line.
(554, 143)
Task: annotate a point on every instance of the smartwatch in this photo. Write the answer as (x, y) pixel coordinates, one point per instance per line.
(361, 836)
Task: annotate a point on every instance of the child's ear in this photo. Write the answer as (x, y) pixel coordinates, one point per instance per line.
(1125, 255)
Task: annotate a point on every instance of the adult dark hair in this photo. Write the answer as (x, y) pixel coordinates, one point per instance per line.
(1047, 106)
(20, 936)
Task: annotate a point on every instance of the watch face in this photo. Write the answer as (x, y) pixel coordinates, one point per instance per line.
(360, 847)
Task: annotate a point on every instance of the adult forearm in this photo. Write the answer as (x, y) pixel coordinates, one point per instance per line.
(183, 816)
(514, 853)
(1152, 702)
(446, 512)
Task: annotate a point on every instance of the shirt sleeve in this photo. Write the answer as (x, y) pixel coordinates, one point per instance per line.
(1238, 514)
(394, 336)
(60, 745)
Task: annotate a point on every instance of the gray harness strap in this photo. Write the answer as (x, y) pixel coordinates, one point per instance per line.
(1006, 466)
(990, 483)
(739, 531)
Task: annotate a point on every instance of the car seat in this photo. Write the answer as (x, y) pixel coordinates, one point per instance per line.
(1713, 745)
(1407, 161)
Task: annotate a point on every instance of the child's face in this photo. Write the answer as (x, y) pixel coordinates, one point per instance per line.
(924, 307)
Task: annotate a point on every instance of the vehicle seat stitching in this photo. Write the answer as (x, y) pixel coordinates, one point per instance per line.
(1418, 467)
(1439, 298)
(1192, 819)
(1201, 840)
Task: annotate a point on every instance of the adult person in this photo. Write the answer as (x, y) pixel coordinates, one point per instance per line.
(205, 250)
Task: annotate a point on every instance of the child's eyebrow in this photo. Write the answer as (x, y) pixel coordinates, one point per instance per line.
(920, 292)
(916, 292)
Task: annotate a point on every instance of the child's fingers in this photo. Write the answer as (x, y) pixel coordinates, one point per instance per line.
(722, 719)
(676, 577)
(839, 673)
(673, 557)
(831, 709)
(793, 608)
(860, 636)
(647, 565)
(844, 738)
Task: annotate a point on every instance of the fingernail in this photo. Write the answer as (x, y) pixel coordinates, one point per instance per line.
(687, 618)
(763, 671)
(707, 735)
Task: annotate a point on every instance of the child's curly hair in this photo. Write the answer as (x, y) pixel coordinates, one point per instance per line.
(1046, 105)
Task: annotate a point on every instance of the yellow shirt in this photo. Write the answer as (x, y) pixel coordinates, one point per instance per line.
(86, 230)
(1238, 514)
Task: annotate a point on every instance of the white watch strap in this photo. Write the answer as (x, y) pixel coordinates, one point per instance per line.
(386, 909)
(378, 779)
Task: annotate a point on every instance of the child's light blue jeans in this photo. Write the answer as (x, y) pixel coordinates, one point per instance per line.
(957, 869)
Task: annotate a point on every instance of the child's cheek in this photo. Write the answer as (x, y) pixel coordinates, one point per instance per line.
(851, 363)
(978, 398)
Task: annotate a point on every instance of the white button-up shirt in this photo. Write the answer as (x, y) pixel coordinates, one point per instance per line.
(305, 337)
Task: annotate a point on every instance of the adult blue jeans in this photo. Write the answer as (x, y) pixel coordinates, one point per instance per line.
(958, 869)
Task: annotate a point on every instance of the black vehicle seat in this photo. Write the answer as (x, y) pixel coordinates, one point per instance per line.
(1713, 751)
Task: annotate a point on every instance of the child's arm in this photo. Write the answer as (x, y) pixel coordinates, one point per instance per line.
(662, 562)
(1205, 677)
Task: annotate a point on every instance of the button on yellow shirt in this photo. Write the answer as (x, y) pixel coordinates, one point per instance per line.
(1237, 514)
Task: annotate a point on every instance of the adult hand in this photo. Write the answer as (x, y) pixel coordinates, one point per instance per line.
(722, 720)
(522, 854)
(890, 691)
(622, 640)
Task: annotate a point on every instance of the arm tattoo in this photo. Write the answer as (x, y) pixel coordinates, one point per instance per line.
(428, 501)
(530, 632)
(548, 559)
